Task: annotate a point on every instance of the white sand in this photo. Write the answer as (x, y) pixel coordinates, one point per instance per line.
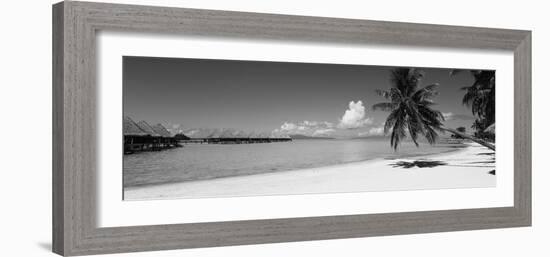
(465, 168)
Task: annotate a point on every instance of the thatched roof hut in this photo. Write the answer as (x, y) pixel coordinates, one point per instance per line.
(161, 130)
(143, 125)
(130, 128)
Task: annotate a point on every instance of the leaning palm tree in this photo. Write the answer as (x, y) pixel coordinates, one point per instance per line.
(411, 110)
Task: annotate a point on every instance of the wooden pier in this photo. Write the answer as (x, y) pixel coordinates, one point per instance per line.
(141, 137)
(247, 140)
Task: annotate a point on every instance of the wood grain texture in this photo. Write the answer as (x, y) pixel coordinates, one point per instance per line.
(58, 230)
(75, 26)
(522, 128)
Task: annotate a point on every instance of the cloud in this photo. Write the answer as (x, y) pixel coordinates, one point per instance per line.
(374, 131)
(354, 116)
(362, 134)
(192, 132)
(310, 123)
(288, 126)
(322, 132)
(328, 124)
(448, 115)
(304, 128)
(377, 131)
(316, 124)
(173, 128)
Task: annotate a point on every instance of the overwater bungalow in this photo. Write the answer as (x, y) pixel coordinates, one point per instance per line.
(181, 136)
(143, 137)
(135, 138)
(166, 140)
(156, 144)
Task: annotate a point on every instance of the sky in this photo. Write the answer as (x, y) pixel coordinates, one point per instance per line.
(279, 98)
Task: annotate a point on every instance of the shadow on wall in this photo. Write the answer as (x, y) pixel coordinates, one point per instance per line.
(46, 246)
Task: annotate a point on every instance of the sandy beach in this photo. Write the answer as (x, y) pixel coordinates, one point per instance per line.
(468, 167)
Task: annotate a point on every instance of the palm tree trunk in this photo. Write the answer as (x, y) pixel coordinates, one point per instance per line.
(475, 139)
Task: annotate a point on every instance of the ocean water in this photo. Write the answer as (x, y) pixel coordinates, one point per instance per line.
(208, 161)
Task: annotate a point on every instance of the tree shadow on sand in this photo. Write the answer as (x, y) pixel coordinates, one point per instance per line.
(491, 153)
(419, 164)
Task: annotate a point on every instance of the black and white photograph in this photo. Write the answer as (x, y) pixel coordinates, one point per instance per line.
(200, 128)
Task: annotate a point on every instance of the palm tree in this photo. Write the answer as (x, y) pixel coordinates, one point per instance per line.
(411, 110)
(480, 97)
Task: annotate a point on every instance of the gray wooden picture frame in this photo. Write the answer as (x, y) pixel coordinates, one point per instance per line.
(75, 25)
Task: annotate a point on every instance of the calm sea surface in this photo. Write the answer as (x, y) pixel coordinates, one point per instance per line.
(207, 161)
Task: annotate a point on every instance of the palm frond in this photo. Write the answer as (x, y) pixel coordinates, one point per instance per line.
(398, 132)
(414, 118)
(431, 135)
(426, 102)
(425, 92)
(414, 134)
(391, 119)
(383, 93)
(395, 95)
(469, 98)
(383, 107)
(431, 116)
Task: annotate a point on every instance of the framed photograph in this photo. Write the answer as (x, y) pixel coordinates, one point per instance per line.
(183, 128)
